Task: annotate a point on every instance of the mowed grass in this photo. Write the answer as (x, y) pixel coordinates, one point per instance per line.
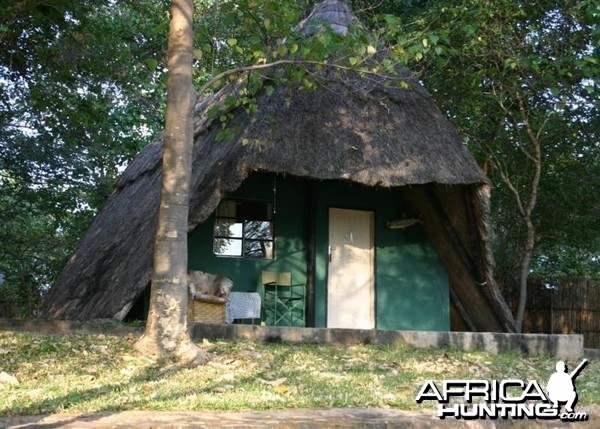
(87, 373)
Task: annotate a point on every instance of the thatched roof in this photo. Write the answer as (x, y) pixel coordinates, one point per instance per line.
(353, 128)
(335, 14)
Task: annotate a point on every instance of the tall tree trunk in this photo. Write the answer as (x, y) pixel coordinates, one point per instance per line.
(525, 206)
(535, 157)
(166, 329)
(524, 273)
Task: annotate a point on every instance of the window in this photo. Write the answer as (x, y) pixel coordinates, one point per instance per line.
(244, 229)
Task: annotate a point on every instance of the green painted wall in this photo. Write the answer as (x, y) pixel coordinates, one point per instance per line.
(290, 250)
(411, 283)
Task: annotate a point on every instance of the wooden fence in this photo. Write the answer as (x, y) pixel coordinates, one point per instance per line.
(7, 309)
(570, 306)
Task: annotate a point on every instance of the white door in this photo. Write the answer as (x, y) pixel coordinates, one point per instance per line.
(350, 282)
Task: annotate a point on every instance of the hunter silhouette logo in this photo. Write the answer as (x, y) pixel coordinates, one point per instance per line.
(561, 386)
(497, 399)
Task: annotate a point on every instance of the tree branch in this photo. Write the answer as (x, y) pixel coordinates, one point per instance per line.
(536, 159)
(255, 67)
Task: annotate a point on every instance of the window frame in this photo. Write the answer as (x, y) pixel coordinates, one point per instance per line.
(243, 237)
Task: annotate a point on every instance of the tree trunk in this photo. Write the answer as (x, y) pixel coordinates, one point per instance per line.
(536, 159)
(525, 208)
(524, 273)
(166, 329)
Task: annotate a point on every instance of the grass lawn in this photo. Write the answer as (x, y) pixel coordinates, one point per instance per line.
(85, 373)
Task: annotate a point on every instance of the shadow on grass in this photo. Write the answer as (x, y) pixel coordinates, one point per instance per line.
(34, 414)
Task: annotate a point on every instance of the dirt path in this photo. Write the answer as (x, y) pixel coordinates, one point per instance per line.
(292, 419)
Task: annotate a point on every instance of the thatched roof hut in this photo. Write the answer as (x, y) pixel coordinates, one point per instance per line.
(353, 129)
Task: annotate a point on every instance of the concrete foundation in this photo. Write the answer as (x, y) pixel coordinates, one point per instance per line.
(560, 346)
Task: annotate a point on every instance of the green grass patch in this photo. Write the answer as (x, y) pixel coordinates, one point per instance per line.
(87, 373)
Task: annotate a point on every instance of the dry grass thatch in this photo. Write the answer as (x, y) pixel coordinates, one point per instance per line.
(335, 14)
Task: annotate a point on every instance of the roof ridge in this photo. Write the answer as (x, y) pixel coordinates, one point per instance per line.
(335, 14)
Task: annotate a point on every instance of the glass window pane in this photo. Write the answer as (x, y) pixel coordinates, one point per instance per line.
(258, 249)
(228, 247)
(228, 228)
(258, 230)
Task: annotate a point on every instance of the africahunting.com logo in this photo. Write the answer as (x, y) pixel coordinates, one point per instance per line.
(505, 399)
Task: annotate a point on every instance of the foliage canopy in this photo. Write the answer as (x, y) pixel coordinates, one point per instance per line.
(83, 91)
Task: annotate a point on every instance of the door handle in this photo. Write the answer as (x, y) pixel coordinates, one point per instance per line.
(329, 252)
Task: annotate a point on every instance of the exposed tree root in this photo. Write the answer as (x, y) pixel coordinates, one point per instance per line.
(184, 351)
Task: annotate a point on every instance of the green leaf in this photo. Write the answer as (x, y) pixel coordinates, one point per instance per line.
(392, 21)
(402, 84)
(555, 91)
(232, 42)
(307, 83)
(510, 63)
(230, 101)
(151, 63)
(469, 30)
